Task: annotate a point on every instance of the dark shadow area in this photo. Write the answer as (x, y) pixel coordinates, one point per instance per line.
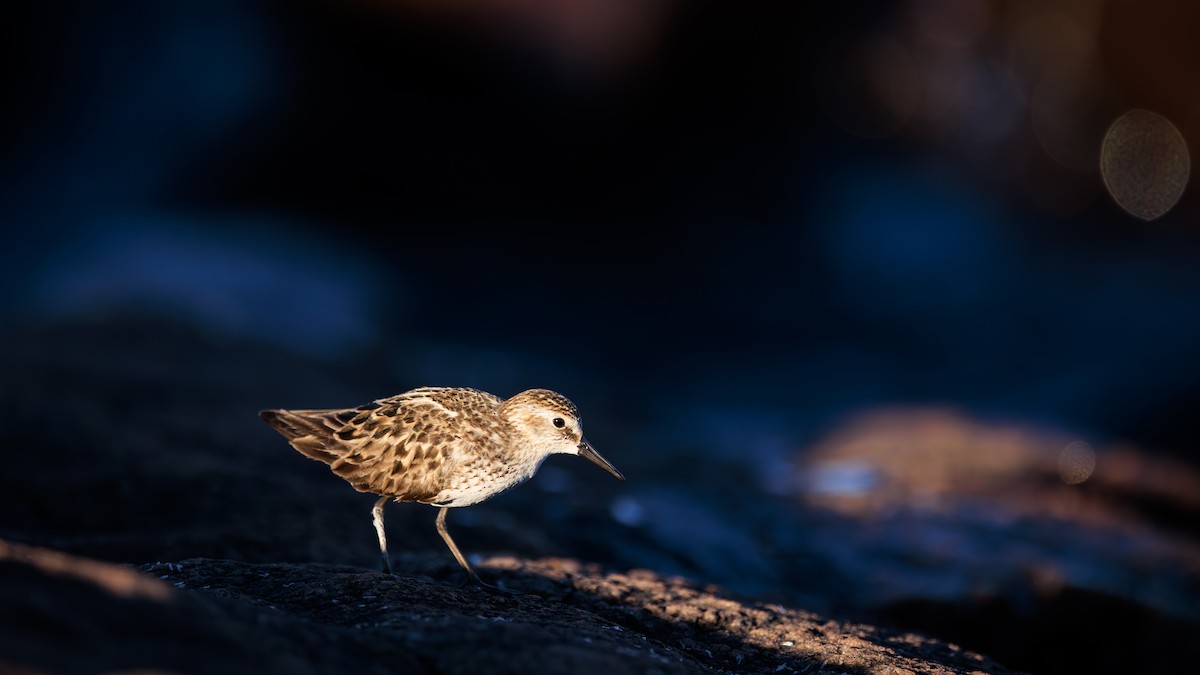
(1061, 629)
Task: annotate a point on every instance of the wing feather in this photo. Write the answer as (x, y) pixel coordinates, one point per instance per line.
(405, 446)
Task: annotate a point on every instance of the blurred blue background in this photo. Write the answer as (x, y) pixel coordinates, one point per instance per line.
(674, 200)
(722, 228)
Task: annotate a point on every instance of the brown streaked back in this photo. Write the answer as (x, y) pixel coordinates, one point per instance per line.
(405, 446)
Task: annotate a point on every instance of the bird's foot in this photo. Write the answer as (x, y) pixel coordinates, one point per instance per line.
(499, 589)
(474, 579)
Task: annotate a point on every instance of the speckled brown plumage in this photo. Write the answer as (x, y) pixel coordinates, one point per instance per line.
(448, 447)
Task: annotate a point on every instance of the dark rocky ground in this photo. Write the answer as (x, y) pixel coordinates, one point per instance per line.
(203, 615)
(151, 522)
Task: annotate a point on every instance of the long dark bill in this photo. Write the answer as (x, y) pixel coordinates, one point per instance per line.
(589, 453)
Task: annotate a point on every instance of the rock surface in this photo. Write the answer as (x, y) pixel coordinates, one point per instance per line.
(203, 615)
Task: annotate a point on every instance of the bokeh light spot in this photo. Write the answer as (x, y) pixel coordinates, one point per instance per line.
(846, 479)
(1145, 163)
(1076, 463)
(628, 511)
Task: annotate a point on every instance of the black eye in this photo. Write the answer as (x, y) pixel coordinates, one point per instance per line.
(559, 423)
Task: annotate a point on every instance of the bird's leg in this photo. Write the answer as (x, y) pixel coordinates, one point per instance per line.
(441, 528)
(377, 513)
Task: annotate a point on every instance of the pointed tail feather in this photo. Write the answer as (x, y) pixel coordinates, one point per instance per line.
(308, 431)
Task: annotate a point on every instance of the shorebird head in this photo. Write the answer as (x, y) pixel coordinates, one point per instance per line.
(549, 424)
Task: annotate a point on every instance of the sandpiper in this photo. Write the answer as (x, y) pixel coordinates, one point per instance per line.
(443, 446)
